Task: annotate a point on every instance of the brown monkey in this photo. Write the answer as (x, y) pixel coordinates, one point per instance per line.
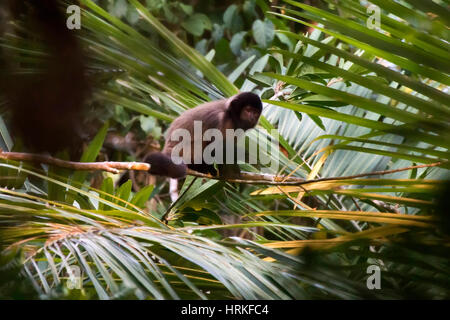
(241, 111)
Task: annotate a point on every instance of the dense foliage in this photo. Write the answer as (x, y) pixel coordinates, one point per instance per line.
(346, 99)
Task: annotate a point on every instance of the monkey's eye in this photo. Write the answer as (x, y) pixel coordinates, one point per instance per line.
(249, 113)
(249, 109)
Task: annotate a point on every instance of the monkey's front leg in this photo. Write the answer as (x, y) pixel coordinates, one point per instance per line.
(231, 171)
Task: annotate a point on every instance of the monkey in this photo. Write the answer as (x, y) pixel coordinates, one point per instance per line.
(241, 111)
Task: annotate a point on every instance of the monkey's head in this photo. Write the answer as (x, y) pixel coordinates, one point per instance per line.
(245, 109)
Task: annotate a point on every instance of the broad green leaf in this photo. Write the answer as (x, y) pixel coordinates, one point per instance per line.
(142, 196)
(263, 32)
(197, 24)
(89, 155)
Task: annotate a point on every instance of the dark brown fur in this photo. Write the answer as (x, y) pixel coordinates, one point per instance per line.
(222, 114)
(46, 106)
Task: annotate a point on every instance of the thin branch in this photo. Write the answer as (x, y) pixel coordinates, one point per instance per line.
(244, 177)
(109, 166)
(259, 178)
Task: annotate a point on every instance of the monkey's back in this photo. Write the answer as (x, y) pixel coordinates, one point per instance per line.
(211, 115)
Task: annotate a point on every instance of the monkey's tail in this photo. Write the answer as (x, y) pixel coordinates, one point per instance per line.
(162, 165)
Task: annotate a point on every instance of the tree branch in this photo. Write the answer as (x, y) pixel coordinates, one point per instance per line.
(260, 178)
(109, 166)
(245, 177)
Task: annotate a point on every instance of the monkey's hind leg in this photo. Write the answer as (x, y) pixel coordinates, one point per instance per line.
(231, 171)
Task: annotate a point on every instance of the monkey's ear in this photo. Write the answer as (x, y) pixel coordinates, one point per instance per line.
(232, 101)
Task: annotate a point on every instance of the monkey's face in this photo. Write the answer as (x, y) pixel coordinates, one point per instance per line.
(249, 116)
